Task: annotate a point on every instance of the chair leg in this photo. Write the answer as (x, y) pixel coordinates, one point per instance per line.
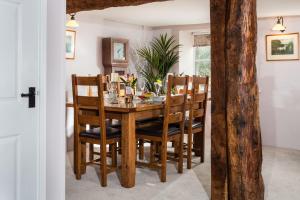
(91, 152)
(75, 153)
(163, 154)
(109, 150)
(158, 148)
(202, 147)
(197, 144)
(176, 148)
(78, 161)
(189, 151)
(103, 166)
(173, 144)
(141, 149)
(83, 158)
(180, 156)
(114, 155)
(152, 152)
(120, 147)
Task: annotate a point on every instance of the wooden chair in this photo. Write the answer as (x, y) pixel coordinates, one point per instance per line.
(195, 125)
(172, 128)
(90, 111)
(145, 123)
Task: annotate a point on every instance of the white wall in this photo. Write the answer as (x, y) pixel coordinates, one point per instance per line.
(170, 32)
(55, 109)
(89, 47)
(279, 83)
(186, 54)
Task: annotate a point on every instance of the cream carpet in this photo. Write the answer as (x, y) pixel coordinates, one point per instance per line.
(281, 172)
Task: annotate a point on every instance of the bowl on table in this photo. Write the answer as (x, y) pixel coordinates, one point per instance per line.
(159, 98)
(146, 96)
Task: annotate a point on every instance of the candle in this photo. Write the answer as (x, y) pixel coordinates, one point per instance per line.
(122, 93)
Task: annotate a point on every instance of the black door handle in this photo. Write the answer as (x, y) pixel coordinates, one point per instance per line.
(31, 96)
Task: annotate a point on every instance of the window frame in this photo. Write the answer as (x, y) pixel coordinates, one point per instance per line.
(199, 60)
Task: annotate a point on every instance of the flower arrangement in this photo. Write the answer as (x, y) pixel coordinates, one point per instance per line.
(130, 84)
(130, 81)
(158, 86)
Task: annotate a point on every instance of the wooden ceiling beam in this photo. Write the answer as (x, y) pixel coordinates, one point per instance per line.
(74, 6)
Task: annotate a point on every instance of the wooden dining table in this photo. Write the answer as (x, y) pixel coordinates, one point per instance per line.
(127, 114)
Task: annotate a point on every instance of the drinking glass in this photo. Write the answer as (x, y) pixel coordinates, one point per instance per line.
(142, 86)
(157, 88)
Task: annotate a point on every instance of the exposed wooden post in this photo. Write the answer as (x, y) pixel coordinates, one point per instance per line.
(218, 115)
(74, 6)
(236, 137)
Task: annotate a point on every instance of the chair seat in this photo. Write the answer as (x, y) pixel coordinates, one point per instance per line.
(194, 125)
(111, 133)
(113, 123)
(157, 130)
(140, 122)
(116, 125)
(150, 120)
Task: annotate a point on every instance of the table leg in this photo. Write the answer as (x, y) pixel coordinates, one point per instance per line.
(128, 150)
(199, 145)
(196, 144)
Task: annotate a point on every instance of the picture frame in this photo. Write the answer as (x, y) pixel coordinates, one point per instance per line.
(70, 44)
(282, 47)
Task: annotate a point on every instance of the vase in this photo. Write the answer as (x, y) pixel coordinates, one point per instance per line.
(128, 99)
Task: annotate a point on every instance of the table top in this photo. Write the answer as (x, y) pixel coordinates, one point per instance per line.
(135, 106)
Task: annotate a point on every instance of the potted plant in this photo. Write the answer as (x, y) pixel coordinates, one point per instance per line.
(159, 57)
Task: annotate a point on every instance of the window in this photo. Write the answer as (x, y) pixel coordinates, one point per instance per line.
(202, 60)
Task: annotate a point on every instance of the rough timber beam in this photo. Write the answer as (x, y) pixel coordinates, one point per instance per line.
(74, 6)
(236, 138)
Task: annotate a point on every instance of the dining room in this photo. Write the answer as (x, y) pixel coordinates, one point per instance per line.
(149, 99)
(138, 101)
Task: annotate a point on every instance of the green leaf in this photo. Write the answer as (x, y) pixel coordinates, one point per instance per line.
(123, 80)
(133, 84)
(159, 57)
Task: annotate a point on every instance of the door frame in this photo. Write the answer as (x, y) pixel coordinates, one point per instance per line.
(49, 179)
(42, 94)
(54, 73)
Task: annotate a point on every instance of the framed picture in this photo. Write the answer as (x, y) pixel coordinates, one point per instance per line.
(282, 47)
(119, 51)
(70, 44)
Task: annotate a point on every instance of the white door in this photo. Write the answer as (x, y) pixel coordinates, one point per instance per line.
(19, 70)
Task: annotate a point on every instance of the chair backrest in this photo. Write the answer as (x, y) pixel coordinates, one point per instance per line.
(199, 93)
(174, 112)
(89, 110)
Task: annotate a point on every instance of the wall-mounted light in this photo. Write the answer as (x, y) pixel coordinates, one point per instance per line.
(279, 25)
(72, 23)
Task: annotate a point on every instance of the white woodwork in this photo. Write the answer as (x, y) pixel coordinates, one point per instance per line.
(9, 154)
(9, 17)
(20, 60)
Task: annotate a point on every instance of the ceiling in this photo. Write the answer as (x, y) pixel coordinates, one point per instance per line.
(182, 12)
